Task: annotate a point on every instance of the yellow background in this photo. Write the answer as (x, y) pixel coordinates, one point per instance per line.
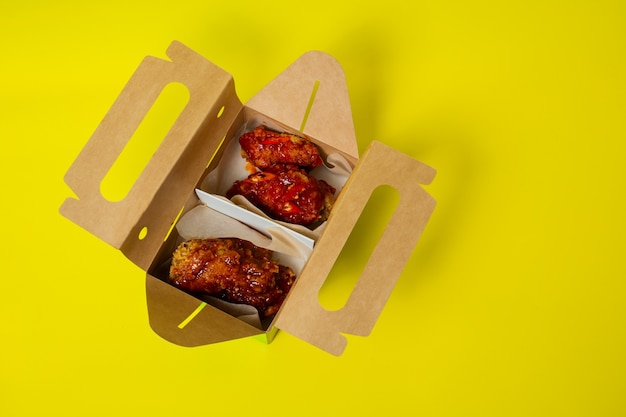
(513, 301)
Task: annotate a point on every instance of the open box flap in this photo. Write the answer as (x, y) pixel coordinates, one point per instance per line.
(186, 321)
(311, 96)
(302, 315)
(170, 176)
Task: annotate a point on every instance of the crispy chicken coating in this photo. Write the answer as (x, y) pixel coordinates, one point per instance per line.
(291, 195)
(234, 270)
(265, 148)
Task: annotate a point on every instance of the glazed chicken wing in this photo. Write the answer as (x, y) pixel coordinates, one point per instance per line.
(265, 148)
(291, 195)
(232, 269)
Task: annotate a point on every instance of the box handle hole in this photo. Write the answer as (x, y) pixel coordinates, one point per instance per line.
(144, 142)
(350, 263)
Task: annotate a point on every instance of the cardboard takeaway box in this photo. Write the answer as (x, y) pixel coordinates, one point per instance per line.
(309, 98)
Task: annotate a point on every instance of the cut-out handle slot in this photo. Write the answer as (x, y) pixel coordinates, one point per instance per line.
(144, 142)
(362, 241)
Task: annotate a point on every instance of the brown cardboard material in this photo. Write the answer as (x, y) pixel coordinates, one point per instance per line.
(309, 98)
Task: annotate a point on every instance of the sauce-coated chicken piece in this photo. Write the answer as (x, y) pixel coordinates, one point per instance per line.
(290, 195)
(234, 270)
(265, 148)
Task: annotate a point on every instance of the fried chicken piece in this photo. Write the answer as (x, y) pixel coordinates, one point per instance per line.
(265, 148)
(234, 270)
(291, 195)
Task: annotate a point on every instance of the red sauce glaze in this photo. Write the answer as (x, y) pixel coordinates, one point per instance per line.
(287, 193)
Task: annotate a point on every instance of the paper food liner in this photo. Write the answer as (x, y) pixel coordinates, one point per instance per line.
(232, 167)
(202, 222)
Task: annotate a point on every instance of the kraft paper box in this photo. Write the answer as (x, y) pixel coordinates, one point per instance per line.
(179, 195)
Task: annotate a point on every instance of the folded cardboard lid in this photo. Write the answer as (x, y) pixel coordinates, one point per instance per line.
(302, 315)
(311, 95)
(168, 179)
